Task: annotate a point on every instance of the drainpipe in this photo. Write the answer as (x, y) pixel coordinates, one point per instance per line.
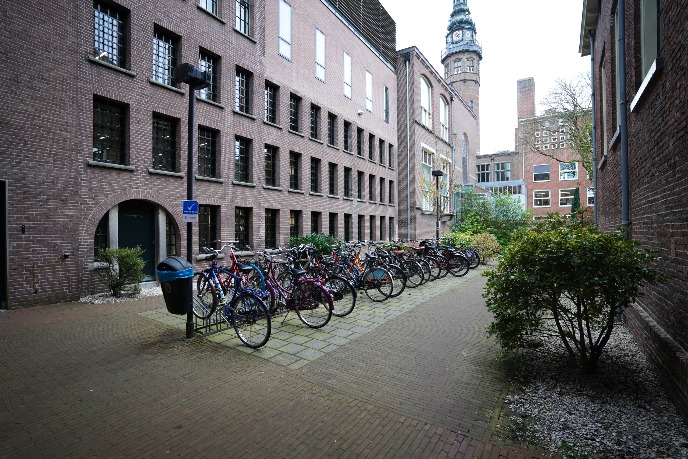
(594, 136)
(452, 142)
(625, 198)
(407, 58)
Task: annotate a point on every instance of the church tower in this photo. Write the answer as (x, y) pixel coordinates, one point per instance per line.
(461, 58)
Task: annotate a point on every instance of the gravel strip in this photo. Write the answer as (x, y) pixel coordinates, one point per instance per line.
(621, 411)
(103, 298)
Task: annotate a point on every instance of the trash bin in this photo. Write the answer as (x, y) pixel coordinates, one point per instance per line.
(175, 275)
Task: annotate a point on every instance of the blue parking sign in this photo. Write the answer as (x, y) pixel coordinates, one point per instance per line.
(190, 211)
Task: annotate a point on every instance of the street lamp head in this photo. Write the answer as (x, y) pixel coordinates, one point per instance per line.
(187, 73)
(437, 173)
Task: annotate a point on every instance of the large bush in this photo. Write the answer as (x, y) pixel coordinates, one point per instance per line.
(124, 267)
(324, 243)
(486, 243)
(568, 279)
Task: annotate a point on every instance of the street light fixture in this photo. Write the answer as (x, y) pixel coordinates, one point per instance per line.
(437, 174)
(196, 79)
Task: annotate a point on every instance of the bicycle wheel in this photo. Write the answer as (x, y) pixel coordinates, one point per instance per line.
(343, 295)
(459, 265)
(400, 279)
(313, 304)
(473, 257)
(435, 268)
(205, 301)
(378, 284)
(251, 320)
(427, 272)
(444, 265)
(414, 273)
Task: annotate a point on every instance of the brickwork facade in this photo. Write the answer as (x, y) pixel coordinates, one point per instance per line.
(657, 139)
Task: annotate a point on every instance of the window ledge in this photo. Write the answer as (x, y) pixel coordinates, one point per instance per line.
(333, 146)
(372, 161)
(603, 162)
(372, 201)
(270, 187)
(209, 179)
(112, 66)
(212, 15)
(211, 102)
(292, 190)
(297, 133)
(272, 124)
(347, 198)
(615, 138)
(110, 165)
(166, 86)
(427, 212)
(348, 151)
(652, 75)
(315, 193)
(317, 140)
(245, 36)
(240, 183)
(168, 173)
(247, 115)
(333, 196)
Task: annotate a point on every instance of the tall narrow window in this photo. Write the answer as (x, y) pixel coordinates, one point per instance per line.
(109, 133)
(294, 223)
(385, 100)
(208, 64)
(457, 66)
(371, 147)
(369, 91)
(242, 91)
(371, 229)
(347, 182)
(464, 158)
(333, 179)
(425, 103)
(347, 75)
(209, 5)
(444, 119)
(347, 227)
(207, 152)
(390, 162)
(333, 224)
(164, 57)
(284, 29)
(319, 55)
(164, 143)
(270, 103)
(470, 64)
(109, 34)
(617, 67)
(207, 226)
(294, 170)
(243, 16)
(650, 32)
(331, 129)
(271, 218)
(359, 142)
(359, 184)
(271, 169)
(371, 187)
(242, 222)
(361, 228)
(242, 170)
(315, 175)
(316, 219)
(390, 196)
(426, 168)
(381, 196)
(294, 112)
(347, 136)
(315, 122)
(382, 152)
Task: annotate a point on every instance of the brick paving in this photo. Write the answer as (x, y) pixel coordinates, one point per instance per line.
(412, 377)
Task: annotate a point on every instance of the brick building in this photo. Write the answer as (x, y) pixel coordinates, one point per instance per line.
(639, 61)
(297, 132)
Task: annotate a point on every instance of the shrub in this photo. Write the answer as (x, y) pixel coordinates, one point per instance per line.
(324, 243)
(570, 281)
(487, 244)
(124, 267)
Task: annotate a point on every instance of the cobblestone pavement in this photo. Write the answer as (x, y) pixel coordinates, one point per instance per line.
(412, 377)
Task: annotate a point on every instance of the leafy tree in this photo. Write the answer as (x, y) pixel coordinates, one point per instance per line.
(575, 207)
(124, 267)
(501, 214)
(568, 279)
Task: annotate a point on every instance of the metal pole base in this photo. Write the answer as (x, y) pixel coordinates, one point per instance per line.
(190, 327)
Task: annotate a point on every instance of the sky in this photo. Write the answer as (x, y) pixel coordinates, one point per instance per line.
(519, 38)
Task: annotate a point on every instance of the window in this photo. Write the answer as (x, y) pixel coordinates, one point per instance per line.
(502, 172)
(284, 47)
(541, 173)
(617, 67)
(242, 171)
(209, 5)
(109, 34)
(207, 152)
(369, 91)
(470, 64)
(391, 228)
(483, 171)
(242, 91)
(385, 100)
(207, 226)
(446, 70)
(390, 162)
(347, 75)
(100, 238)
(270, 103)
(566, 197)
(242, 221)
(360, 176)
(331, 129)
(209, 64)
(333, 224)
(319, 55)
(332, 179)
(316, 219)
(347, 182)
(294, 223)
(347, 136)
(164, 143)
(271, 219)
(315, 175)
(243, 16)
(382, 152)
(294, 170)
(371, 225)
(294, 112)
(444, 119)
(371, 187)
(425, 103)
(391, 193)
(361, 227)
(650, 32)
(348, 227)
(426, 168)
(371, 147)
(271, 165)
(383, 227)
(383, 187)
(164, 57)
(109, 132)
(591, 196)
(541, 198)
(464, 158)
(359, 142)
(170, 237)
(568, 171)
(315, 121)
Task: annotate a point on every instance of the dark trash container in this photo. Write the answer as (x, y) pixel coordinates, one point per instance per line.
(175, 275)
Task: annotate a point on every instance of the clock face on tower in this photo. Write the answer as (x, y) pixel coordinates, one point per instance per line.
(457, 35)
(467, 35)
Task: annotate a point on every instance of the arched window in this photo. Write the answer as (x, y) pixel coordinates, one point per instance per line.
(425, 102)
(444, 119)
(470, 64)
(464, 158)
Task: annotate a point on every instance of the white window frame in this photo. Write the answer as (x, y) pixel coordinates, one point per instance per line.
(320, 55)
(591, 196)
(549, 198)
(425, 102)
(426, 168)
(284, 19)
(567, 198)
(444, 119)
(347, 75)
(369, 91)
(549, 172)
(386, 105)
(565, 173)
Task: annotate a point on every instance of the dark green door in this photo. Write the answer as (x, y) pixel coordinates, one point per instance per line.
(137, 228)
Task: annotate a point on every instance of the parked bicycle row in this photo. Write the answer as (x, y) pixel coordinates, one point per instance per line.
(248, 294)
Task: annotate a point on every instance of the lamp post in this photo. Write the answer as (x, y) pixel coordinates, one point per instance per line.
(196, 79)
(437, 174)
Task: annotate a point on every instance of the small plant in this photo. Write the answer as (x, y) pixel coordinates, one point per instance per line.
(124, 267)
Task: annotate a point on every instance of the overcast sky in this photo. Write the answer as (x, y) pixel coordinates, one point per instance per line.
(520, 39)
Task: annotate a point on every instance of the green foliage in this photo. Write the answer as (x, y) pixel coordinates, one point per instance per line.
(501, 214)
(575, 207)
(324, 243)
(567, 279)
(486, 243)
(457, 239)
(124, 267)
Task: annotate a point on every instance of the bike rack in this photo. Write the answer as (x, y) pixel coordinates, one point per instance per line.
(216, 323)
